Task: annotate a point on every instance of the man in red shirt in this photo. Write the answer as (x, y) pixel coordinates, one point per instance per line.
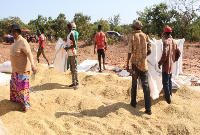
(41, 46)
(100, 42)
(167, 60)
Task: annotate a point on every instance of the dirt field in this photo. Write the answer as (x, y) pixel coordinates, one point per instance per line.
(116, 55)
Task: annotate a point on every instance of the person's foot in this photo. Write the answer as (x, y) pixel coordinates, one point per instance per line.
(76, 87)
(148, 112)
(133, 105)
(100, 71)
(24, 109)
(72, 85)
(104, 67)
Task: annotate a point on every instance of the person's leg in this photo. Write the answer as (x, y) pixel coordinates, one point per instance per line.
(72, 70)
(76, 56)
(67, 63)
(38, 54)
(42, 50)
(165, 81)
(103, 56)
(134, 86)
(145, 86)
(76, 73)
(99, 59)
(170, 84)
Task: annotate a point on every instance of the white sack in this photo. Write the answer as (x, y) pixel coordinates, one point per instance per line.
(159, 49)
(6, 67)
(86, 65)
(178, 64)
(124, 73)
(60, 58)
(4, 79)
(155, 81)
(152, 57)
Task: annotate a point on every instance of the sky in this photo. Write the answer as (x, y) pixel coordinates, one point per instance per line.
(102, 9)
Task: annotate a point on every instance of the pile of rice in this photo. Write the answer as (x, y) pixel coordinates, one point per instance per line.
(99, 106)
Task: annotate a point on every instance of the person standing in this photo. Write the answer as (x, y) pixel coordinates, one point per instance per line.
(41, 46)
(76, 34)
(100, 42)
(51, 37)
(70, 48)
(22, 62)
(167, 60)
(139, 49)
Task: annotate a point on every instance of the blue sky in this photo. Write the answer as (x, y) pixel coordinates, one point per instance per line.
(103, 9)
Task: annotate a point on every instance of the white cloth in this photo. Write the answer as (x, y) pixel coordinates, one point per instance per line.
(6, 67)
(4, 79)
(86, 65)
(60, 58)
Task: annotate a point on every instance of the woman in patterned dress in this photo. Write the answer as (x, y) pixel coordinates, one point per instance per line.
(22, 62)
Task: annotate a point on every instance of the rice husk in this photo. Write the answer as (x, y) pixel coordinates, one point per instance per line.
(99, 106)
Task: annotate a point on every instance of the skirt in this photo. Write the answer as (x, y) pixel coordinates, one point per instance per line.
(19, 89)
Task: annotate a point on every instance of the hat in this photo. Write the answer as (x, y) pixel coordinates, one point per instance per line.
(15, 27)
(73, 25)
(167, 29)
(137, 24)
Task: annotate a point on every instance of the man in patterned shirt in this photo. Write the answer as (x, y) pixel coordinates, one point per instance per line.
(138, 50)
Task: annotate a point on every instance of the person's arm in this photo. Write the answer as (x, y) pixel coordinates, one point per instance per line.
(130, 51)
(95, 44)
(27, 50)
(148, 46)
(164, 54)
(105, 42)
(73, 41)
(105, 46)
(128, 59)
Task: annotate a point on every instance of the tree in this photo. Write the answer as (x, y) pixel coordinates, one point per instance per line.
(60, 26)
(187, 14)
(83, 26)
(154, 19)
(5, 25)
(114, 22)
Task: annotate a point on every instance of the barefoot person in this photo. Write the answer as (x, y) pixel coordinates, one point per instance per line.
(100, 42)
(139, 48)
(22, 62)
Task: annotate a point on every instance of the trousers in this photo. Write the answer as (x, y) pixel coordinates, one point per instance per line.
(145, 86)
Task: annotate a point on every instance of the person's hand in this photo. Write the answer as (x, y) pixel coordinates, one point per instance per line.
(66, 48)
(148, 52)
(105, 48)
(159, 65)
(127, 67)
(39, 48)
(34, 69)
